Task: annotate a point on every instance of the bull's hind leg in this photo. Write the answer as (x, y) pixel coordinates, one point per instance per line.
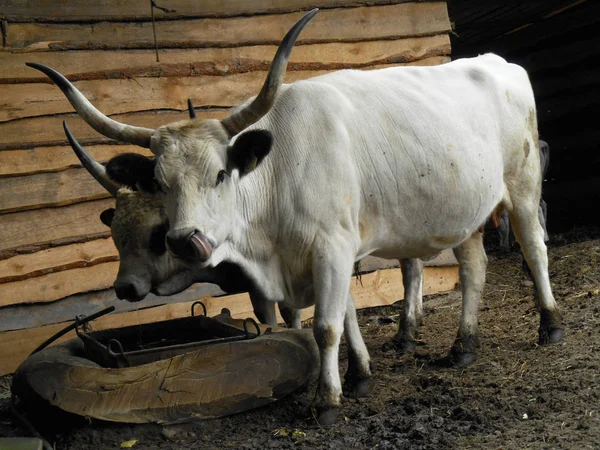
(530, 235)
(412, 277)
(358, 376)
(472, 262)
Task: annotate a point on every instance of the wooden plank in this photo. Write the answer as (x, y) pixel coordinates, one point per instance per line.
(32, 315)
(53, 286)
(123, 10)
(21, 316)
(96, 64)
(350, 25)
(66, 224)
(57, 158)
(129, 95)
(48, 190)
(372, 263)
(21, 267)
(42, 131)
(378, 289)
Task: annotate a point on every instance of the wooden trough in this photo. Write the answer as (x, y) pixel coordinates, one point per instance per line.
(227, 366)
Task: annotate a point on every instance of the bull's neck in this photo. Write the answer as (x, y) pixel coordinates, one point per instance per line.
(255, 229)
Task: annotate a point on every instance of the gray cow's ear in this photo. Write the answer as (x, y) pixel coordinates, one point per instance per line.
(106, 216)
(248, 151)
(133, 170)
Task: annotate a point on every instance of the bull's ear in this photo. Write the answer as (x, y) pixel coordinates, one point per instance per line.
(107, 216)
(248, 151)
(132, 169)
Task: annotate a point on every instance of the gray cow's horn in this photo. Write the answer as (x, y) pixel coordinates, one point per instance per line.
(98, 121)
(97, 170)
(263, 102)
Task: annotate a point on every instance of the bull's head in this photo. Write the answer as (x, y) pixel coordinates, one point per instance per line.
(194, 157)
(138, 222)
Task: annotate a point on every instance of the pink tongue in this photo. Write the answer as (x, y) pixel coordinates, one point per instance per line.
(202, 245)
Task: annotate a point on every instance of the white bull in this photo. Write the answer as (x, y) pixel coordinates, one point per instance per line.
(400, 163)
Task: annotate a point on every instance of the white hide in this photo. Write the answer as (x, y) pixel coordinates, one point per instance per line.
(399, 162)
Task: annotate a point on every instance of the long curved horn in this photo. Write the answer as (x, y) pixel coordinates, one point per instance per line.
(191, 110)
(98, 121)
(97, 170)
(263, 102)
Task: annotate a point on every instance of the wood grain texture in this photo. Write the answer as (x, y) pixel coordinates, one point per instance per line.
(67, 224)
(55, 259)
(214, 381)
(121, 96)
(108, 64)
(23, 316)
(42, 131)
(351, 25)
(54, 286)
(122, 10)
(379, 288)
(56, 158)
(48, 190)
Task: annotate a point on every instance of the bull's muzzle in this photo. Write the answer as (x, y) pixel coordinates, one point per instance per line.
(132, 288)
(189, 244)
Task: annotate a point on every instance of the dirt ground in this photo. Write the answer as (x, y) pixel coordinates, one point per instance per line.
(517, 395)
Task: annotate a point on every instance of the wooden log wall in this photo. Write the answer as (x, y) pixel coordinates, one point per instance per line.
(56, 258)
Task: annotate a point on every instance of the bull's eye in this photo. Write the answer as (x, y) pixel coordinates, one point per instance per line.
(157, 240)
(220, 177)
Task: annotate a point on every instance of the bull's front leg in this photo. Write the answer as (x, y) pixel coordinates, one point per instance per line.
(412, 278)
(332, 270)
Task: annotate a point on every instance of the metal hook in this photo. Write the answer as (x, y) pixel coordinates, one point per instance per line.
(253, 322)
(194, 307)
(121, 362)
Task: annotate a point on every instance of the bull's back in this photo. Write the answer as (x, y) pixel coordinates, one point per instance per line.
(417, 152)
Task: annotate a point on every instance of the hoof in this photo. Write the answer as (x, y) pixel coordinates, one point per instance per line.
(462, 359)
(551, 336)
(328, 416)
(357, 388)
(404, 346)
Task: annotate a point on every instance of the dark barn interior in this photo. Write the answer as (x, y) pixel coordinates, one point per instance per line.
(558, 43)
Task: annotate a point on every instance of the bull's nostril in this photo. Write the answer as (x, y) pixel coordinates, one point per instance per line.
(127, 291)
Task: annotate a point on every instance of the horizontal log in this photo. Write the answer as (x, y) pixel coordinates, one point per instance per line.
(130, 95)
(353, 24)
(42, 131)
(21, 267)
(56, 158)
(377, 289)
(28, 230)
(124, 10)
(53, 286)
(103, 64)
(48, 190)
(21, 316)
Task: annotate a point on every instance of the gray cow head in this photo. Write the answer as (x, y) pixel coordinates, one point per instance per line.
(138, 222)
(194, 156)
